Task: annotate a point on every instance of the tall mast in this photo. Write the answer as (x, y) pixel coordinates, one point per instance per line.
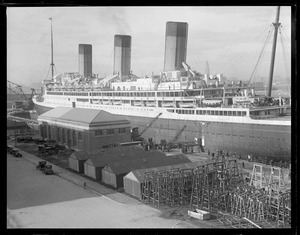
(52, 64)
(276, 25)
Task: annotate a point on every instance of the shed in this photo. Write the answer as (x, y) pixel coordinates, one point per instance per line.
(77, 159)
(100, 158)
(133, 181)
(113, 173)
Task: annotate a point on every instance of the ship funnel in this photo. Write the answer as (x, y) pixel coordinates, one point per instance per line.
(85, 60)
(175, 45)
(122, 55)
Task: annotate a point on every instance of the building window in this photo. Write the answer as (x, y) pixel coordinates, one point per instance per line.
(79, 136)
(110, 131)
(121, 130)
(98, 132)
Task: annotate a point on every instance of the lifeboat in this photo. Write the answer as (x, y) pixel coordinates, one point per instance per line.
(168, 104)
(137, 103)
(186, 105)
(150, 104)
(117, 102)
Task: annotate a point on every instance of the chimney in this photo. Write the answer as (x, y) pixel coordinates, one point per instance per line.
(122, 55)
(85, 60)
(175, 45)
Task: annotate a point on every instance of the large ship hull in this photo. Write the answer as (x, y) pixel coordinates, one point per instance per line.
(242, 138)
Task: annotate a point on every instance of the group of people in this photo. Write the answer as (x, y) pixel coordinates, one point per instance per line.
(273, 161)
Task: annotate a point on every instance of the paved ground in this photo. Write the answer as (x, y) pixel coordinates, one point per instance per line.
(62, 200)
(35, 200)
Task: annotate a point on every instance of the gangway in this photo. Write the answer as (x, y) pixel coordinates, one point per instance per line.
(150, 124)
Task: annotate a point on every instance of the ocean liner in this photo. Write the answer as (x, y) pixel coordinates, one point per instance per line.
(179, 104)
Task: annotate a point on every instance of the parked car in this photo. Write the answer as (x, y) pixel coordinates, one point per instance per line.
(50, 142)
(51, 150)
(20, 139)
(9, 148)
(39, 140)
(28, 139)
(47, 170)
(16, 153)
(60, 147)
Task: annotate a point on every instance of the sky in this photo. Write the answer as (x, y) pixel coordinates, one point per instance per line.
(230, 39)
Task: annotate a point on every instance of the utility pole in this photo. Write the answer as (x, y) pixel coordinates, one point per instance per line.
(276, 26)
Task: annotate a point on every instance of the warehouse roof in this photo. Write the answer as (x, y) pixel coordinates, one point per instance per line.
(80, 155)
(139, 173)
(80, 115)
(123, 153)
(122, 167)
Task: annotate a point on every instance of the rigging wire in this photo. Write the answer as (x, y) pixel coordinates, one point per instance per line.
(196, 63)
(259, 58)
(238, 35)
(55, 69)
(240, 55)
(256, 40)
(48, 73)
(138, 65)
(96, 64)
(107, 71)
(284, 59)
(157, 55)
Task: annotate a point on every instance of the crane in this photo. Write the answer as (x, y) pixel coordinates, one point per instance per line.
(17, 89)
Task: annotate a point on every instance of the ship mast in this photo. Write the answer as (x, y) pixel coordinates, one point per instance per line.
(276, 25)
(52, 64)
